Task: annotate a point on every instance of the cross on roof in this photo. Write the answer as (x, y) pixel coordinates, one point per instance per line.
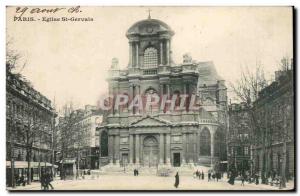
(149, 13)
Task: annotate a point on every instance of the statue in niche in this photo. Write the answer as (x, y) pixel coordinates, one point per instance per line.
(114, 63)
(187, 58)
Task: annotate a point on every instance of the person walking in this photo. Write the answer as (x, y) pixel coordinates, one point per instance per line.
(209, 176)
(44, 185)
(176, 180)
(202, 175)
(231, 178)
(256, 179)
(243, 180)
(49, 180)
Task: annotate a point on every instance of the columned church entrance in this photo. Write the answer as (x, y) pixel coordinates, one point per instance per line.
(176, 159)
(150, 152)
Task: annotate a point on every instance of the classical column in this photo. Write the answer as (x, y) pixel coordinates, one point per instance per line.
(137, 53)
(168, 148)
(111, 149)
(138, 93)
(131, 149)
(137, 149)
(212, 150)
(130, 54)
(190, 147)
(161, 92)
(168, 106)
(131, 96)
(117, 149)
(161, 148)
(183, 148)
(197, 146)
(161, 53)
(168, 52)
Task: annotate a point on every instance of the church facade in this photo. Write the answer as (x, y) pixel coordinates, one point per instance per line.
(160, 136)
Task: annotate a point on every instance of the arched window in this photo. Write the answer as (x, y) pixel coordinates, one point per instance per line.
(150, 57)
(205, 142)
(152, 93)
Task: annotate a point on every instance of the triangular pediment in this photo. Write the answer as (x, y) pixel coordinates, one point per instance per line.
(149, 120)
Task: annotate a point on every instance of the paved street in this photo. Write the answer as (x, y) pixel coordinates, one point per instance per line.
(122, 182)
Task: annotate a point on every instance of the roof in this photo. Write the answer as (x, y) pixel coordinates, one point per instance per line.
(149, 26)
(207, 73)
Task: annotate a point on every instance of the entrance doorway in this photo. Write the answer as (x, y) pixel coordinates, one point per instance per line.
(150, 152)
(176, 159)
(124, 161)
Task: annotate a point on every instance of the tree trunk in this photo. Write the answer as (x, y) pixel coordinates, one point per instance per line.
(62, 171)
(283, 168)
(12, 164)
(28, 168)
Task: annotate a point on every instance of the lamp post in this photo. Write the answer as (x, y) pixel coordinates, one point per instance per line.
(280, 184)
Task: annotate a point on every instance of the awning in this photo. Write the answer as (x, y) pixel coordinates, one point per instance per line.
(24, 164)
(224, 162)
(68, 161)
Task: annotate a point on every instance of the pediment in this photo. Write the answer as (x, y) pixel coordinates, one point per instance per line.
(150, 121)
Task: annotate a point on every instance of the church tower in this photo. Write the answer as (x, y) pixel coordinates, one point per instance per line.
(149, 44)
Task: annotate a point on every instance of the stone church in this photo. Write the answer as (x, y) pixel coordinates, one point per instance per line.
(160, 137)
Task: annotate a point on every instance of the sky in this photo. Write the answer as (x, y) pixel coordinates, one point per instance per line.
(68, 61)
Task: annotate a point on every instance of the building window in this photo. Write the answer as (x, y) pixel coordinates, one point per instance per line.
(246, 150)
(205, 142)
(150, 57)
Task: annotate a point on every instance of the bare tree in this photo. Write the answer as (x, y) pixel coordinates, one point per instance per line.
(247, 90)
(31, 135)
(14, 58)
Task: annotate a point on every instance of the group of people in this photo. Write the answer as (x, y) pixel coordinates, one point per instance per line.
(214, 176)
(135, 172)
(244, 177)
(20, 180)
(199, 175)
(46, 179)
(211, 175)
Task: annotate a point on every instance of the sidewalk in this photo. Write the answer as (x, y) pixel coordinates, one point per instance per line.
(37, 185)
(130, 182)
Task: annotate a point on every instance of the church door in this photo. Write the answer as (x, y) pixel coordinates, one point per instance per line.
(150, 152)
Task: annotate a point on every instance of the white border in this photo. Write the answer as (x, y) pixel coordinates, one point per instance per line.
(4, 3)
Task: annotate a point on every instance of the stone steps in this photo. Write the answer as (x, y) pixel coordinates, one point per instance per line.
(186, 170)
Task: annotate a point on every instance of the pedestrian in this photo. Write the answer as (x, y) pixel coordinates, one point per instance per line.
(137, 172)
(209, 176)
(214, 176)
(218, 176)
(243, 180)
(176, 180)
(49, 179)
(231, 179)
(202, 175)
(256, 179)
(134, 172)
(44, 185)
(197, 174)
